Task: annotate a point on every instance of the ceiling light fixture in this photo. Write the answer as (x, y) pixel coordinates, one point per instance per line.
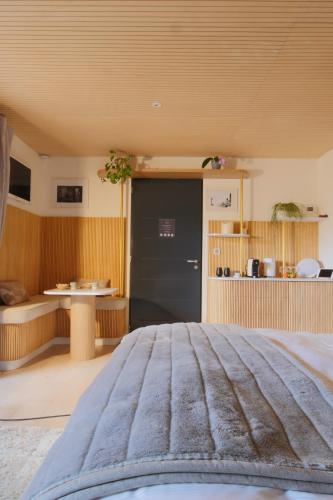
(156, 104)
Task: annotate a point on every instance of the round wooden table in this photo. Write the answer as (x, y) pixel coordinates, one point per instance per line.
(83, 319)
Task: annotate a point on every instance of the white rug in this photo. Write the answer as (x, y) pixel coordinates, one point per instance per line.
(22, 450)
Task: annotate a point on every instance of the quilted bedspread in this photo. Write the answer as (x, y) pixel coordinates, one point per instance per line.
(194, 403)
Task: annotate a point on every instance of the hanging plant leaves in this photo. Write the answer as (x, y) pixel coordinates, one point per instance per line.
(118, 168)
(205, 162)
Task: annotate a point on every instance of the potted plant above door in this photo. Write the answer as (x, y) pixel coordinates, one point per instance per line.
(284, 211)
(118, 167)
(117, 170)
(216, 161)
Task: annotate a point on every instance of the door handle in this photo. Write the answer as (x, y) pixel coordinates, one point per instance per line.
(192, 261)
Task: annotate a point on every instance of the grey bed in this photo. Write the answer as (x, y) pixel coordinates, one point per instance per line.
(194, 403)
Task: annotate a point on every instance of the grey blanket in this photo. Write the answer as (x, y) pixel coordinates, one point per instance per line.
(194, 403)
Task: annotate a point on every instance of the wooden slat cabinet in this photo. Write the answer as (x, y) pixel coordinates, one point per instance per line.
(311, 307)
(286, 304)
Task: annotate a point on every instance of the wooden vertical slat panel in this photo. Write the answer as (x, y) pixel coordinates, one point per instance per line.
(306, 240)
(18, 340)
(109, 323)
(229, 249)
(77, 247)
(301, 240)
(20, 257)
(63, 322)
(265, 241)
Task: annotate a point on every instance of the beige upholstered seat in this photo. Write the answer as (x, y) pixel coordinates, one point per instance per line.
(37, 306)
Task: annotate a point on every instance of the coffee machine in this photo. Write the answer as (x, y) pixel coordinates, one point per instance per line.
(252, 268)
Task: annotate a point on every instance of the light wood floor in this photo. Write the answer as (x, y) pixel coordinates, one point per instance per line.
(51, 384)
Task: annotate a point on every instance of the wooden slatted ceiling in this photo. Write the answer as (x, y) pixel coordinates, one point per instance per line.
(245, 77)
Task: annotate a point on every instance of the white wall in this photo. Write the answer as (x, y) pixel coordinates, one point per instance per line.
(274, 180)
(271, 181)
(324, 190)
(103, 198)
(30, 158)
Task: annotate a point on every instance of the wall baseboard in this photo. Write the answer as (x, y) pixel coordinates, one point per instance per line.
(17, 363)
(98, 342)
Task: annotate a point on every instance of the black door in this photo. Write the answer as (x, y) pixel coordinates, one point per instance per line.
(166, 251)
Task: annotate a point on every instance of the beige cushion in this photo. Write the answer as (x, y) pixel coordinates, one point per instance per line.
(27, 311)
(12, 292)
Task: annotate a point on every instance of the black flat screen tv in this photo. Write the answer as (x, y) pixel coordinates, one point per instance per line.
(19, 180)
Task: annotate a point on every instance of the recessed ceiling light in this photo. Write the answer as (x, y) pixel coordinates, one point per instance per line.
(156, 104)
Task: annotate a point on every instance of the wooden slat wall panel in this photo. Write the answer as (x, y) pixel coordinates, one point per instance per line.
(265, 241)
(63, 322)
(293, 306)
(16, 341)
(229, 256)
(109, 323)
(80, 247)
(306, 240)
(20, 248)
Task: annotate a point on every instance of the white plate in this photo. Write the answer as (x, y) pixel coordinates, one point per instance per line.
(307, 268)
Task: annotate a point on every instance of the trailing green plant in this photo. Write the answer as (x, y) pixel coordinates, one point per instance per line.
(289, 210)
(118, 168)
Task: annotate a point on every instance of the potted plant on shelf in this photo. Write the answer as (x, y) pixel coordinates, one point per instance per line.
(216, 161)
(283, 211)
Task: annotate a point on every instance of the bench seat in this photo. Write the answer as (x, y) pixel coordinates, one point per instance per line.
(37, 306)
(29, 328)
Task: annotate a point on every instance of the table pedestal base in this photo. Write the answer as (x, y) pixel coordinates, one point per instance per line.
(83, 327)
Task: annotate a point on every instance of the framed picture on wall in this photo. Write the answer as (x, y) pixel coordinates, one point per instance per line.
(70, 192)
(223, 200)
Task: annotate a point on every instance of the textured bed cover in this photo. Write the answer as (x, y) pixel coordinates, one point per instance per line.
(316, 353)
(197, 403)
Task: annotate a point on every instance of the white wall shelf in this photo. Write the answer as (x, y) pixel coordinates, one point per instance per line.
(234, 235)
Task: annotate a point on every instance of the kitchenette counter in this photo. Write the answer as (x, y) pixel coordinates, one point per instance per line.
(294, 304)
